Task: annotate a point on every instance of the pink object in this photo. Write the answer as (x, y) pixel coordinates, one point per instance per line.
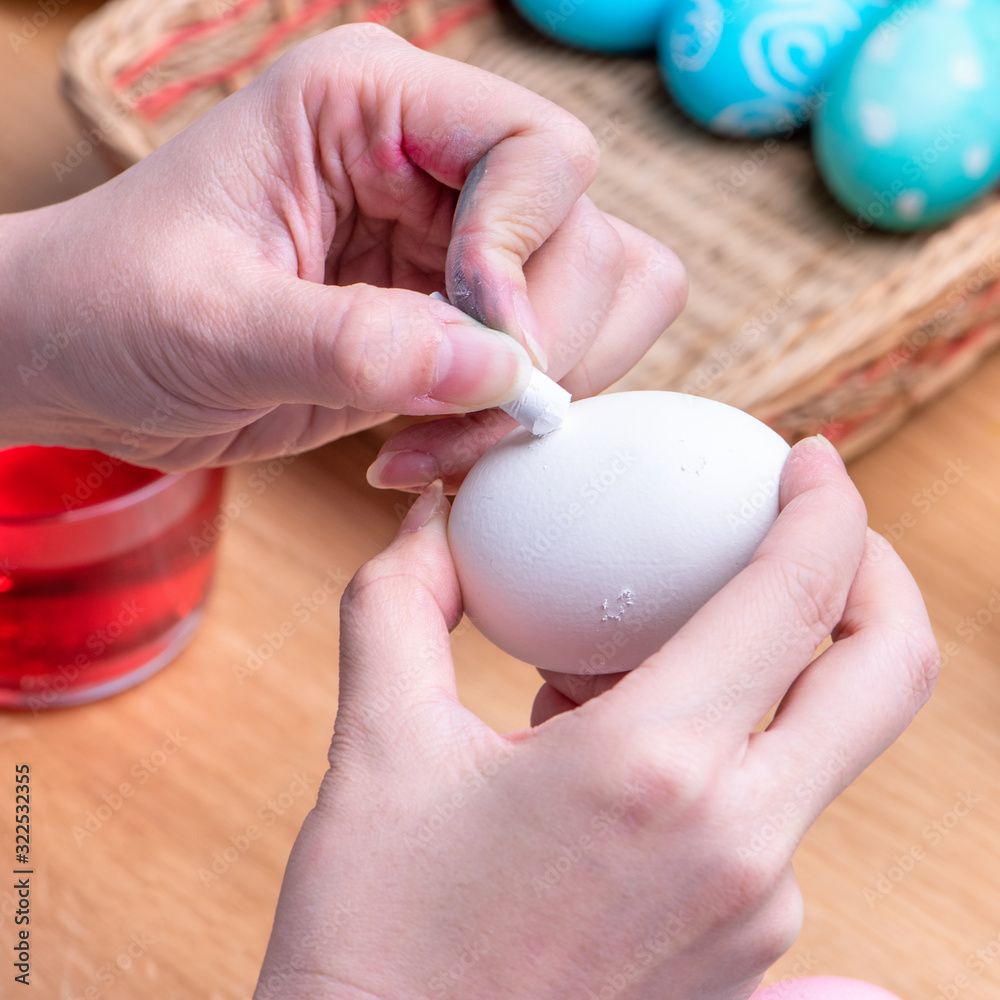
(822, 988)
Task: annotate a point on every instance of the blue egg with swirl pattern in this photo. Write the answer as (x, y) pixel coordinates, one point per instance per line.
(613, 26)
(757, 67)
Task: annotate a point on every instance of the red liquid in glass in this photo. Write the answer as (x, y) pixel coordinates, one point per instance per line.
(68, 625)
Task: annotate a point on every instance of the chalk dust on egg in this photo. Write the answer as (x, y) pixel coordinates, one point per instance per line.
(584, 550)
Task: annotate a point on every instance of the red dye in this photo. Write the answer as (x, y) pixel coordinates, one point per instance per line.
(101, 564)
(35, 482)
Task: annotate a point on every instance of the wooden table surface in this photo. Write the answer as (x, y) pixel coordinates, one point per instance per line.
(160, 894)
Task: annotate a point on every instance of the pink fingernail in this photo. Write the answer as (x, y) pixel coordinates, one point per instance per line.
(424, 508)
(828, 445)
(403, 470)
(824, 443)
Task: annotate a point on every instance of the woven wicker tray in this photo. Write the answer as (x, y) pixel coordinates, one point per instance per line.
(795, 313)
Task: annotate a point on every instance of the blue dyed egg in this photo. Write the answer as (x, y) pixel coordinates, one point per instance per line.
(910, 134)
(757, 67)
(601, 25)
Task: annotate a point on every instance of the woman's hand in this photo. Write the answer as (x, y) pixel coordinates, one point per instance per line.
(637, 846)
(260, 284)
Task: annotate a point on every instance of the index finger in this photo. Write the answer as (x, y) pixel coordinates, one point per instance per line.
(521, 162)
(512, 201)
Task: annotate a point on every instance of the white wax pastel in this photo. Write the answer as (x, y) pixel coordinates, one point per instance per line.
(584, 550)
(542, 406)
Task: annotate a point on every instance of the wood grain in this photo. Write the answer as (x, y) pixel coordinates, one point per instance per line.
(901, 876)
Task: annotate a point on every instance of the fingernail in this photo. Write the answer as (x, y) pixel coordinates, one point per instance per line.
(424, 508)
(528, 322)
(403, 470)
(819, 441)
(479, 368)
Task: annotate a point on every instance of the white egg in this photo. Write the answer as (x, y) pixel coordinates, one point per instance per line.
(584, 550)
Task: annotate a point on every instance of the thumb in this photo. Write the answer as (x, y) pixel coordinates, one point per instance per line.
(381, 349)
(395, 618)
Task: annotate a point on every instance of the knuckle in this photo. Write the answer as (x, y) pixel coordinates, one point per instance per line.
(748, 881)
(811, 587)
(605, 252)
(671, 283)
(779, 922)
(579, 146)
(521, 237)
(585, 150)
(654, 781)
(363, 590)
(357, 33)
(916, 648)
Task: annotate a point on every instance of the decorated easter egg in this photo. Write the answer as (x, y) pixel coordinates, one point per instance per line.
(601, 25)
(910, 134)
(743, 68)
(584, 550)
(823, 988)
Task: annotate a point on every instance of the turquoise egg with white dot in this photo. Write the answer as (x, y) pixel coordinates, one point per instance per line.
(910, 134)
(757, 67)
(613, 26)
